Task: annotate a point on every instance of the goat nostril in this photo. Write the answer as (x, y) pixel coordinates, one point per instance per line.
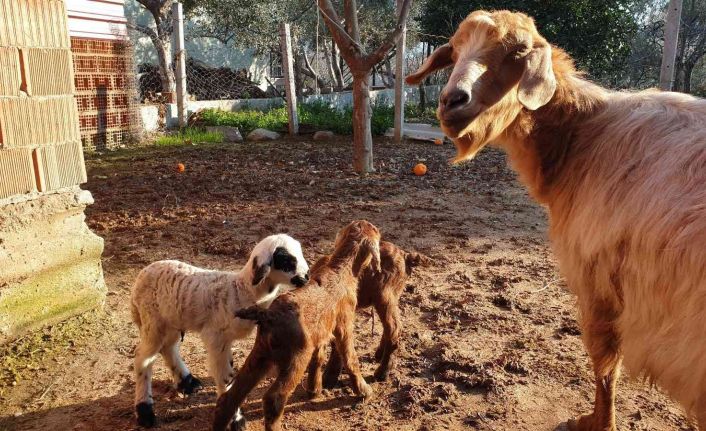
(456, 98)
(306, 276)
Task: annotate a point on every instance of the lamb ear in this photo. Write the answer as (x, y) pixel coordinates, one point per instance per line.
(259, 271)
(439, 59)
(538, 83)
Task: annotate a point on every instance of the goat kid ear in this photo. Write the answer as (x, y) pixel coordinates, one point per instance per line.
(439, 59)
(538, 83)
(259, 271)
(368, 255)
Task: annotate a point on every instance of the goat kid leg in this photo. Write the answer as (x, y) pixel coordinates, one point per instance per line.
(333, 368)
(275, 399)
(389, 313)
(220, 360)
(254, 369)
(603, 345)
(346, 349)
(184, 381)
(314, 375)
(146, 353)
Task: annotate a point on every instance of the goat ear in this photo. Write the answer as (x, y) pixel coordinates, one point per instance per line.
(259, 271)
(439, 59)
(538, 83)
(368, 255)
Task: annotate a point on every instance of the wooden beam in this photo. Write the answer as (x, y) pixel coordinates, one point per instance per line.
(671, 37)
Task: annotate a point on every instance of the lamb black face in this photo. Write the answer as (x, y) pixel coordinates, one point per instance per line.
(283, 261)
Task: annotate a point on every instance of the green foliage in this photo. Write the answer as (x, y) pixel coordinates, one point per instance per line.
(319, 116)
(189, 135)
(597, 33)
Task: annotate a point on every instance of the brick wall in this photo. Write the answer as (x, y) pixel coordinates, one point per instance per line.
(105, 92)
(40, 143)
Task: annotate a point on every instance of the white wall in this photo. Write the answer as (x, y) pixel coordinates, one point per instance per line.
(104, 19)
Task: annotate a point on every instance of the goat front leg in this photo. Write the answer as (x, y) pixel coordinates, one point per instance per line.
(314, 382)
(389, 313)
(349, 357)
(220, 360)
(228, 411)
(603, 344)
(275, 399)
(333, 368)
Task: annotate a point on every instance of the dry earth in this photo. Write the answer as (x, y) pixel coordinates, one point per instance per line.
(490, 336)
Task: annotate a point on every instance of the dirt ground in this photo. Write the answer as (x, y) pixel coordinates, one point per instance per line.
(490, 336)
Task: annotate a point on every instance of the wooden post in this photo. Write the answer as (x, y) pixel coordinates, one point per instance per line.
(671, 37)
(288, 70)
(180, 62)
(399, 80)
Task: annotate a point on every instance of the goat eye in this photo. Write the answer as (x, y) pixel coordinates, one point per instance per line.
(519, 52)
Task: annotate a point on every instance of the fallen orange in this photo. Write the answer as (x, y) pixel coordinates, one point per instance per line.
(420, 169)
(180, 167)
(438, 141)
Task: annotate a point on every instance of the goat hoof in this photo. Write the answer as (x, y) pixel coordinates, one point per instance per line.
(330, 382)
(366, 392)
(189, 384)
(381, 374)
(378, 354)
(587, 423)
(145, 415)
(238, 424)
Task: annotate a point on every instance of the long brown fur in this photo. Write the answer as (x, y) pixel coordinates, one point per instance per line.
(623, 177)
(381, 290)
(297, 327)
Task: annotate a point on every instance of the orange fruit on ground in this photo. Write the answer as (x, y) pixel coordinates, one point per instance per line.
(180, 167)
(438, 141)
(420, 169)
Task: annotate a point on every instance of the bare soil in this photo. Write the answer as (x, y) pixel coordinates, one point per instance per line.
(491, 340)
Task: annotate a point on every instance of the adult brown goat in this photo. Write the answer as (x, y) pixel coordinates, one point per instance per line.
(623, 177)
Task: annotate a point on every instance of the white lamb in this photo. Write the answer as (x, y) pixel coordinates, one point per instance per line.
(171, 297)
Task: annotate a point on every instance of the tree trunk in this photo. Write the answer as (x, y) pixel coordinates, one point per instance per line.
(688, 69)
(422, 97)
(335, 62)
(362, 133)
(163, 46)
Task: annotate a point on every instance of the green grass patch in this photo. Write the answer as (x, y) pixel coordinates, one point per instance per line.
(319, 116)
(189, 135)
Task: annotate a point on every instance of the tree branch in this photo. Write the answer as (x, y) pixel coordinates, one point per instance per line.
(391, 38)
(346, 44)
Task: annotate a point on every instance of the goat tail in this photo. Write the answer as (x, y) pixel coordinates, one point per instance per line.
(412, 260)
(135, 314)
(259, 315)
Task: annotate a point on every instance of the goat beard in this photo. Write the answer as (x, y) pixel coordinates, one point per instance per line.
(467, 147)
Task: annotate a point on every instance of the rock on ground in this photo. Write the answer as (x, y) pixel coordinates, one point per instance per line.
(230, 134)
(323, 135)
(263, 135)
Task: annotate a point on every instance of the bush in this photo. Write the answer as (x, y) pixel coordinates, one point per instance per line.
(317, 115)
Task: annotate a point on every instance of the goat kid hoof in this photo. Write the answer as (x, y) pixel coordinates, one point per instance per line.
(586, 423)
(330, 382)
(189, 385)
(145, 415)
(381, 374)
(238, 424)
(378, 354)
(366, 392)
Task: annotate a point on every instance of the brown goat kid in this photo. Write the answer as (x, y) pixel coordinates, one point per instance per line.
(623, 177)
(296, 329)
(381, 290)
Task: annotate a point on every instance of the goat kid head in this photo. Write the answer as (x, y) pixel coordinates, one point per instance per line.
(360, 240)
(279, 259)
(501, 65)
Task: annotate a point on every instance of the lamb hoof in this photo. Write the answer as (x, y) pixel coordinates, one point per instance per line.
(189, 385)
(238, 424)
(145, 415)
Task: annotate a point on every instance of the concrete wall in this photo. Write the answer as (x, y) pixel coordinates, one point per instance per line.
(50, 265)
(151, 121)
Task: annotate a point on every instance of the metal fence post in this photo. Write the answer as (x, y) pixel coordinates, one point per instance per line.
(399, 80)
(180, 60)
(288, 71)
